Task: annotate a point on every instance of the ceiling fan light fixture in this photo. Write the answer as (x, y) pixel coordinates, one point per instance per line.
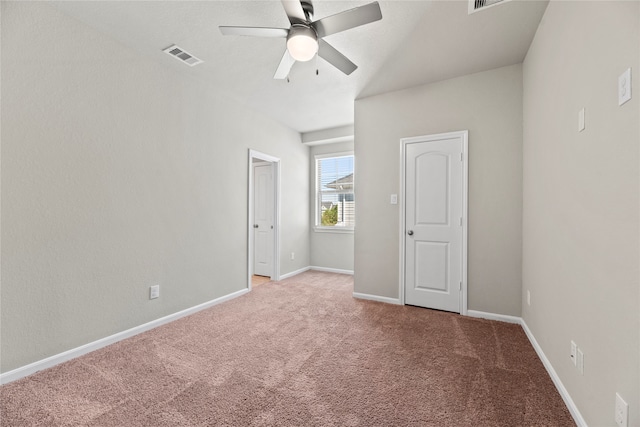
(302, 43)
(305, 36)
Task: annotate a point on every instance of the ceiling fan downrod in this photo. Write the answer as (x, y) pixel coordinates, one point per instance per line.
(307, 6)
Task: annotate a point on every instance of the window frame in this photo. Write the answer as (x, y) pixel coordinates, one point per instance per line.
(317, 226)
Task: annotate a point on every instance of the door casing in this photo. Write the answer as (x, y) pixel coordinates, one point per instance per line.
(256, 156)
(465, 191)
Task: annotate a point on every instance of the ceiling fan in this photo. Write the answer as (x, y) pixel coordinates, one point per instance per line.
(305, 36)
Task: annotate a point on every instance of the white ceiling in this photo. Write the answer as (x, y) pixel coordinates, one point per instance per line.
(416, 42)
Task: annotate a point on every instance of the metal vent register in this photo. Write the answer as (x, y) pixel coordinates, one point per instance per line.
(182, 55)
(476, 5)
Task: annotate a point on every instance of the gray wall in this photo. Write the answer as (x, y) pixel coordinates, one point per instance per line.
(580, 225)
(118, 173)
(489, 105)
(329, 250)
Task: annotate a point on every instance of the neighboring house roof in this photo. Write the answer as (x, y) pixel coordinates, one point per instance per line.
(326, 205)
(344, 183)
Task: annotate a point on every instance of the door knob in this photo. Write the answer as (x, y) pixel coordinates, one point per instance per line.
(255, 225)
(410, 232)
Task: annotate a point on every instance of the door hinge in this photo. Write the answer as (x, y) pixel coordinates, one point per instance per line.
(460, 288)
(461, 157)
(460, 221)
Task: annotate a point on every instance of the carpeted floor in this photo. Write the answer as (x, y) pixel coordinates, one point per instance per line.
(300, 352)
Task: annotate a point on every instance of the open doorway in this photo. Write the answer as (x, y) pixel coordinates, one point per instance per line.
(263, 259)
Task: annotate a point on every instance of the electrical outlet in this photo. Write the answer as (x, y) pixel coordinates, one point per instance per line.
(528, 298)
(154, 291)
(293, 256)
(622, 412)
(624, 87)
(574, 350)
(580, 362)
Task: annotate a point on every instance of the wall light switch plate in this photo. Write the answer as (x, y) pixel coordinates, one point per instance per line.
(394, 199)
(624, 87)
(154, 291)
(580, 362)
(581, 120)
(622, 412)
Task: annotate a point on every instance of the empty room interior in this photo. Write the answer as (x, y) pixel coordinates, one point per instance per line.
(320, 213)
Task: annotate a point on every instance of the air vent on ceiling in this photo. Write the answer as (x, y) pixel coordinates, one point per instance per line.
(476, 5)
(183, 56)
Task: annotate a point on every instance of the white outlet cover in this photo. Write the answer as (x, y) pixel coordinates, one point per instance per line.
(581, 120)
(624, 87)
(622, 412)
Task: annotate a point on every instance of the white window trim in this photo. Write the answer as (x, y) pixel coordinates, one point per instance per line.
(319, 228)
(337, 230)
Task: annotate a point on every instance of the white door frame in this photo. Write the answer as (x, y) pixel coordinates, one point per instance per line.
(275, 163)
(465, 196)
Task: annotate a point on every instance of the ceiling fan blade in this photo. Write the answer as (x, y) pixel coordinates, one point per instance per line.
(335, 58)
(254, 31)
(285, 66)
(294, 11)
(348, 19)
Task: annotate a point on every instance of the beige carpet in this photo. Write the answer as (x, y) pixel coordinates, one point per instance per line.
(300, 352)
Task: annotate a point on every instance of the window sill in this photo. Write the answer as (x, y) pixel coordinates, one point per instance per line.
(335, 230)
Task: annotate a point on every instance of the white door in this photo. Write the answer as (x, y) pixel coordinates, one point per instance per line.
(263, 206)
(435, 200)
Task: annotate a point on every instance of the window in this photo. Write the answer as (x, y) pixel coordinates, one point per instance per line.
(335, 200)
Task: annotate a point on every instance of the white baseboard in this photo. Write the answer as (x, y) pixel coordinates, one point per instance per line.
(494, 316)
(369, 297)
(294, 273)
(54, 360)
(573, 409)
(332, 270)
